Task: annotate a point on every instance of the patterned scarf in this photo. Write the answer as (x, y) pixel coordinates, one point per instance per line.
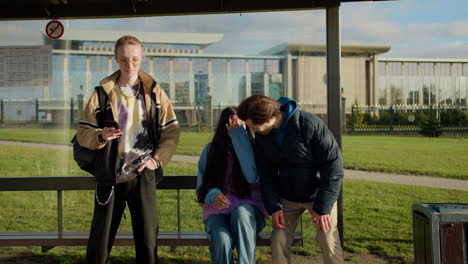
(135, 145)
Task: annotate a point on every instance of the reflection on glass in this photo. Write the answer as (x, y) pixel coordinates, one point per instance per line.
(220, 85)
(162, 76)
(181, 81)
(426, 83)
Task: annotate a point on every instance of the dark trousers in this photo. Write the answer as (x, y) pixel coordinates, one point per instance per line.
(140, 195)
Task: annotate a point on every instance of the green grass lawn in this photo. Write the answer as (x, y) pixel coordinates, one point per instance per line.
(32, 161)
(377, 216)
(439, 157)
(50, 136)
(190, 143)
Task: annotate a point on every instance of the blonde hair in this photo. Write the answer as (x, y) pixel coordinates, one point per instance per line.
(127, 40)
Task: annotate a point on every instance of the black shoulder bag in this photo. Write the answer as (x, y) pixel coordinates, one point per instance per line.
(99, 162)
(94, 161)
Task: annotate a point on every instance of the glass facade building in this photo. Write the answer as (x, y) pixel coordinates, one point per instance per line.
(423, 82)
(191, 81)
(199, 84)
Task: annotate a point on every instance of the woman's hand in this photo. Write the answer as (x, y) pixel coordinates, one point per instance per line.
(234, 122)
(221, 201)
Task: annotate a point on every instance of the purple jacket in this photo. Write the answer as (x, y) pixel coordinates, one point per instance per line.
(244, 151)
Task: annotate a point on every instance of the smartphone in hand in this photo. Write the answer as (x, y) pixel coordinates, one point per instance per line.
(111, 123)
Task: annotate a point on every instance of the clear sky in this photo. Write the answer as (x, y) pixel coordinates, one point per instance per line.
(413, 28)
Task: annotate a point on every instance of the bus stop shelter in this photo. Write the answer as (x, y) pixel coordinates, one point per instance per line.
(72, 9)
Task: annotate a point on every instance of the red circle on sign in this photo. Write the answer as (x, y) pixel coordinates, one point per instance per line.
(54, 29)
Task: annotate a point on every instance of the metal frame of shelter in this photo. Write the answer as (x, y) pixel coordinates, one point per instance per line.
(73, 9)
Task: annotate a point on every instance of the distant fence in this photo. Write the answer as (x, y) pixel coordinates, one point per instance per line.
(405, 118)
(59, 112)
(39, 111)
(360, 118)
(68, 112)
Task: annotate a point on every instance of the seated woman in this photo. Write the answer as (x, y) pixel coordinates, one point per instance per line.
(228, 188)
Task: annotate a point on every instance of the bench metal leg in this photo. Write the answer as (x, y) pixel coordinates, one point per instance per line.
(59, 213)
(178, 216)
(44, 249)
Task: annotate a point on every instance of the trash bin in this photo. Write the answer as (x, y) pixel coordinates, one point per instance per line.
(440, 232)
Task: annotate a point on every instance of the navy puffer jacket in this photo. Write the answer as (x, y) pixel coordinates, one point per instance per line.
(307, 165)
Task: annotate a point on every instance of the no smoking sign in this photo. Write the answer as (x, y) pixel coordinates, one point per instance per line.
(54, 29)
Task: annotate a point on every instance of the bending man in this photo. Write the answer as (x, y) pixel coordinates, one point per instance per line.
(300, 168)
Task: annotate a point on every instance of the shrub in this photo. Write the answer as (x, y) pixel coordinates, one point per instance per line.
(430, 125)
(453, 117)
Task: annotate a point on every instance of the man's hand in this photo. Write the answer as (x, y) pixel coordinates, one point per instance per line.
(322, 222)
(278, 219)
(149, 164)
(110, 133)
(221, 201)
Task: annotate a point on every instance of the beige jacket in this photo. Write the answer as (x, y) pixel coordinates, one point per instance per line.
(88, 130)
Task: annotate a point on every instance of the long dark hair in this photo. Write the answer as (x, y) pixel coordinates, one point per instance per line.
(215, 169)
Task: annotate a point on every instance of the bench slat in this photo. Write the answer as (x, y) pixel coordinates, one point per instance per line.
(165, 238)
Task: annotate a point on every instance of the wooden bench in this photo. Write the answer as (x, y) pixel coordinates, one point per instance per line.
(48, 240)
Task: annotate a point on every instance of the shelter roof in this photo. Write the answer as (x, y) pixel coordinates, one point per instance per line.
(67, 9)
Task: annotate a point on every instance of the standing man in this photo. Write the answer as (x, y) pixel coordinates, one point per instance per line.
(143, 132)
(300, 168)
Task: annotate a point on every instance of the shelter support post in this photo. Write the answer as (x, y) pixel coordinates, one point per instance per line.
(334, 88)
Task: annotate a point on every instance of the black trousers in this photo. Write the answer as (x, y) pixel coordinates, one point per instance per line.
(140, 195)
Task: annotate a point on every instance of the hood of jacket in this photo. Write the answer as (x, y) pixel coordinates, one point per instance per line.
(288, 108)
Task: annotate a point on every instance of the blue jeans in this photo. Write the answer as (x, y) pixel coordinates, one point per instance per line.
(236, 230)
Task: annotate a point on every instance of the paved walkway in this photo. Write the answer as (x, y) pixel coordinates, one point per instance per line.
(381, 177)
(427, 181)
(36, 145)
